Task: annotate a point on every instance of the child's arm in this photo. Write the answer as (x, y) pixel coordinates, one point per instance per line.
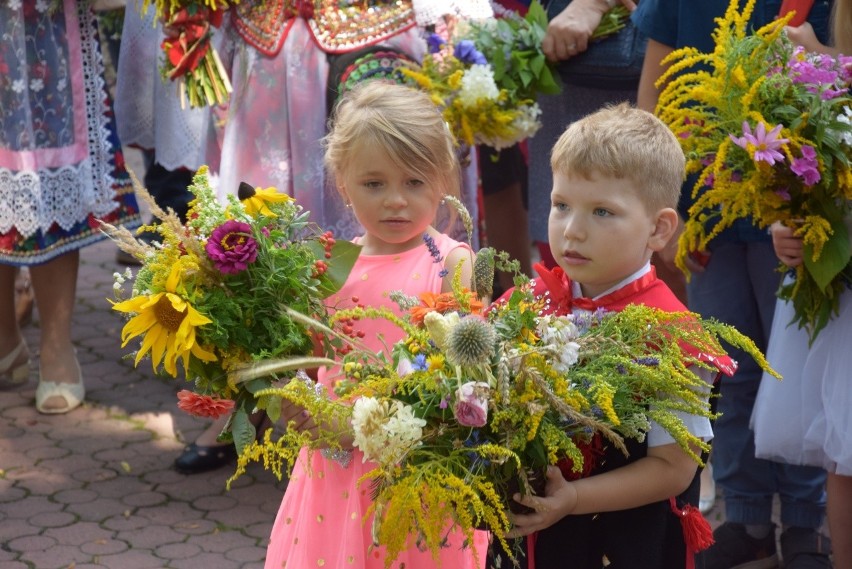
(666, 471)
(460, 257)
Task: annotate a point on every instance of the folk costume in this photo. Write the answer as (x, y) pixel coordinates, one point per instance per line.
(647, 537)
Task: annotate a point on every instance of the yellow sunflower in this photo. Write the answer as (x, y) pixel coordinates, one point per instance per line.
(256, 204)
(168, 323)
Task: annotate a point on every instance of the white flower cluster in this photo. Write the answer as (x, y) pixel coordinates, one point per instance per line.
(558, 334)
(846, 118)
(478, 83)
(119, 279)
(385, 431)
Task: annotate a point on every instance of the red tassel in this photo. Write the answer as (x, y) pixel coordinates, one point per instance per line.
(697, 533)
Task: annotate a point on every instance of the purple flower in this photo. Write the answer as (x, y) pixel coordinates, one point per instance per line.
(435, 42)
(231, 247)
(765, 144)
(807, 167)
(784, 194)
(466, 52)
(420, 362)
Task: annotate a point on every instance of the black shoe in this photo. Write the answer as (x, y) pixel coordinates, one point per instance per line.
(734, 548)
(196, 459)
(805, 548)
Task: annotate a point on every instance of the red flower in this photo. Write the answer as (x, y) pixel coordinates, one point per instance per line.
(203, 405)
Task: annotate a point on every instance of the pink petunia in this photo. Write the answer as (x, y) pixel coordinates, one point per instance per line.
(765, 144)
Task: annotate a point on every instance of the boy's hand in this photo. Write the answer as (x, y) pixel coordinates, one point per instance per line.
(788, 247)
(558, 501)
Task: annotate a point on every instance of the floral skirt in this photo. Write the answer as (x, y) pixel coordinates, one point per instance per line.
(61, 165)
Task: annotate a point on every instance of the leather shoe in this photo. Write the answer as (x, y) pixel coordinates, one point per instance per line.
(196, 459)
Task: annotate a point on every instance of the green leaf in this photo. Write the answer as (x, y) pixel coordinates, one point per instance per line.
(536, 14)
(242, 430)
(834, 256)
(343, 257)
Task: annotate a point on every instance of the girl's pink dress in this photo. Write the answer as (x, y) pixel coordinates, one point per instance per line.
(321, 519)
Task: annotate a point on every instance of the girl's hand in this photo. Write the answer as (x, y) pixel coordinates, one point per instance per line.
(788, 247)
(805, 36)
(559, 500)
(299, 415)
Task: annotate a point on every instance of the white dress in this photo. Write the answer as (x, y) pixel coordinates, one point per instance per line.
(806, 418)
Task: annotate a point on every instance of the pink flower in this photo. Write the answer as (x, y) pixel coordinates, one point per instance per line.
(807, 167)
(203, 405)
(231, 247)
(471, 409)
(765, 144)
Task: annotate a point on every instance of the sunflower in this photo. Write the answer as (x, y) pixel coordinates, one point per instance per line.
(168, 323)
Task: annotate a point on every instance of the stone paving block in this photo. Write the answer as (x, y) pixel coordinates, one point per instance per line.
(125, 522)
(238, 517)
(171, 513)
(98, 510)
(206, 561)
(79, 533)
(150, 537)
(53, 519)
(145, 499)
(56, 557)
(132, 559)
(177, 551)
(14, 529)
(29, 543)
(25, 509)
(214, 503)
(247, 554)
(76, 496)
(221, 541)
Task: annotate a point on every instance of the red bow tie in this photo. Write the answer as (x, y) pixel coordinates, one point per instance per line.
(560, 288)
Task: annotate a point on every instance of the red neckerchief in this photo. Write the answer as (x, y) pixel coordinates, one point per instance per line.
(559, 286)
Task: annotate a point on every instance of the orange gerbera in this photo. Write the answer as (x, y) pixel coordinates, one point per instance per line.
(444, 302)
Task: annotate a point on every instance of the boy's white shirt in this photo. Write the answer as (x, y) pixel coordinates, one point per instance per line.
(658, 436)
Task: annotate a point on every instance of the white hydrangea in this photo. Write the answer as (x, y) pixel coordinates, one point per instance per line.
(384, 431)
(478, 83)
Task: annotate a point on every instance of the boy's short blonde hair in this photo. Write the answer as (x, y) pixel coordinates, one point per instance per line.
(404, 122)
(624, 142)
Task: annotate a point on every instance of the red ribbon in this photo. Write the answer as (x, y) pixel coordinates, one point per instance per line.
(193, 40)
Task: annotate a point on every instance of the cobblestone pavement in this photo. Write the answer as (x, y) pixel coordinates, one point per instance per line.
(95, 487)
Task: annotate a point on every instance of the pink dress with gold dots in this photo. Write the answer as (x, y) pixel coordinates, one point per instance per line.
(321, 519)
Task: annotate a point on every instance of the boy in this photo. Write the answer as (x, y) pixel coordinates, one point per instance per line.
(617, 179)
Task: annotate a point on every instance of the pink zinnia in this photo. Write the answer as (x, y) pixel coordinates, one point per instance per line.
(231, 247)
(766, 144)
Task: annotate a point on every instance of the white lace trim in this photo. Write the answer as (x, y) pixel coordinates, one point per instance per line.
(430, 12)
(35, 200)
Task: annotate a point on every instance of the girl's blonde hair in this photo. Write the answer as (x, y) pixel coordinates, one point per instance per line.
(625, 143)
(404, 122)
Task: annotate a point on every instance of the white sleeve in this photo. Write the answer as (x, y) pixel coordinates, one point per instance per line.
(430, 12)
(698, 426)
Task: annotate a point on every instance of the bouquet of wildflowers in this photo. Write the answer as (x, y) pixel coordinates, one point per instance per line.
(486, 77)
(228, 288)
(473, 406)
(189, 58)
(767, 127)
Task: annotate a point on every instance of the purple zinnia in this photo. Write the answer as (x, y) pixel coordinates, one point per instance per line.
(766, 144)
(466, 52)
(231, 247)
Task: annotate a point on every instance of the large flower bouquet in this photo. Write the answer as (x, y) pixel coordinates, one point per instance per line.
(473, 406)
(486, 76)
(189, 57)
(767, 127)
(227, 289)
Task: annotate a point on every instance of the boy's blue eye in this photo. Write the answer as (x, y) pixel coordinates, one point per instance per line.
(560, 206)
(599, 211)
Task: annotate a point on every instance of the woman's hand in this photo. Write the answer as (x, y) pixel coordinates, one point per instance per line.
(805, 36)
(570, 31)
(559, 500)
(788, 247)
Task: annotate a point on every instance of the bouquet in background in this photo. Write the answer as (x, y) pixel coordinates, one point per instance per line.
(767, 127)
(486, 76)
(190, 59)
(473, 406)
(228, 288)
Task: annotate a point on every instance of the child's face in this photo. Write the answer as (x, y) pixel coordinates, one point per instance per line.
(394, 206)
(600, 232)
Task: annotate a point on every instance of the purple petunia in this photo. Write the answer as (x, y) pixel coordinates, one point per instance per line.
(435, 43)
(231, 247)
(766, 144)
(466, 52)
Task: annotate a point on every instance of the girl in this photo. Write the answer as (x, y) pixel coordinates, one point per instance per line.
(805, 419)
(392, 159)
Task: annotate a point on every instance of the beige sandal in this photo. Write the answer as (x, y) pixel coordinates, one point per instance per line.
(73, 393)
(15, 366)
